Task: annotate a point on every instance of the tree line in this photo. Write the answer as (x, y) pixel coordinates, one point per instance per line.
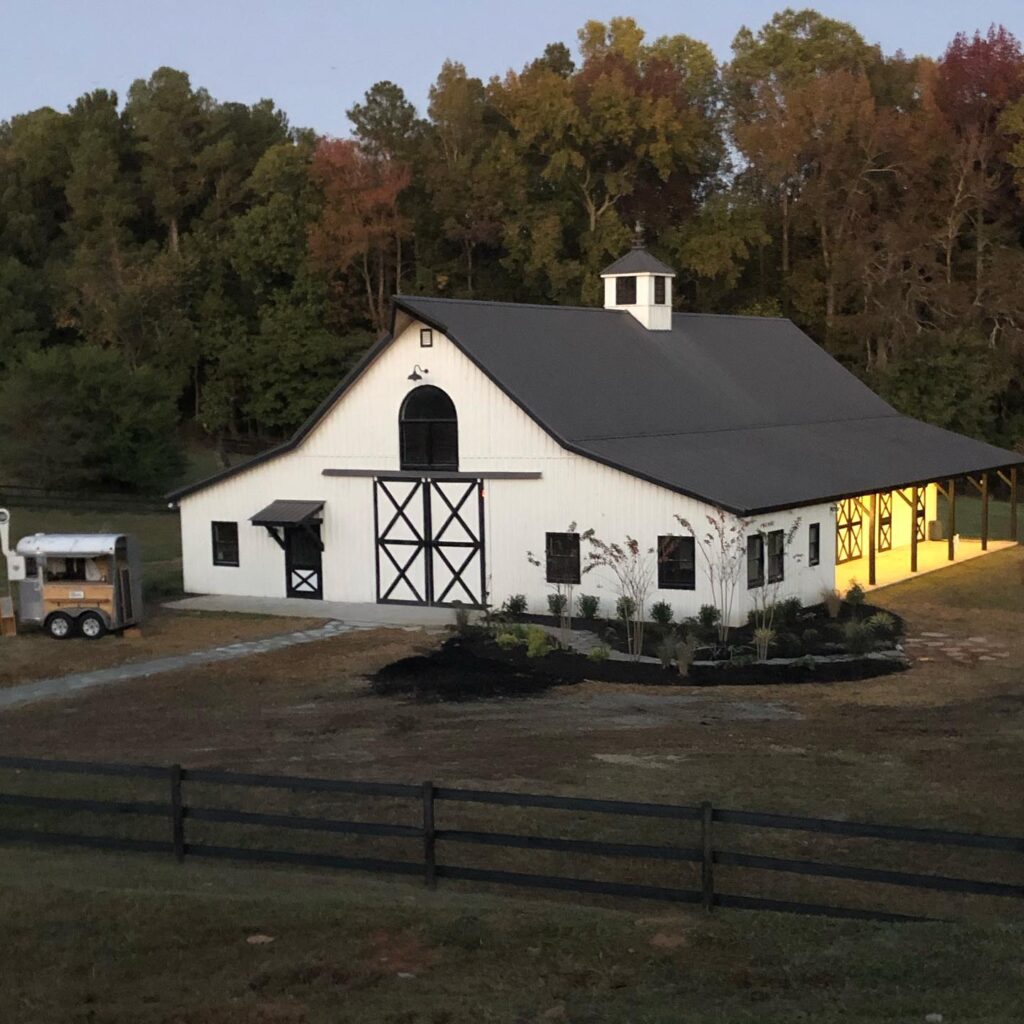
(181, 267)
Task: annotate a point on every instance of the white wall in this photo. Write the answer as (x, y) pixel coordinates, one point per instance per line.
(361, 432)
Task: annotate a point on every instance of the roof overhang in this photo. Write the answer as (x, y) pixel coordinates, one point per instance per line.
(287, 512)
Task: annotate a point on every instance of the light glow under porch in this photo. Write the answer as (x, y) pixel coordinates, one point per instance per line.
(894, 565)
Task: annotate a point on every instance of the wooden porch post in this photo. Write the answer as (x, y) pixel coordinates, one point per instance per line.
(1013, 504)
(984, 511)
(913, 529)
(951, 519)
(872, 513)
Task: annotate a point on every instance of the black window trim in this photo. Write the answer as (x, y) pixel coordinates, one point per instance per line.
(778, 536)
(426, 337)
(660, 290)
(430, 428)
(622, 284)
(688, 580)
(572, 561)
(814, 544)
(224, 562)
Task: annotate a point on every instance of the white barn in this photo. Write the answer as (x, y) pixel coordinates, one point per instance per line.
(475, 432)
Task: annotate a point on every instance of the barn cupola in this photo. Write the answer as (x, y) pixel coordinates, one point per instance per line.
(642, 285)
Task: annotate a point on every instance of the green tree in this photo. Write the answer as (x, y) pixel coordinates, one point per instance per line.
(79, 418)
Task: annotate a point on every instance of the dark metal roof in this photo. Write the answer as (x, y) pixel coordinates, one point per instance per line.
(638, 261)
(747, 413)
(287, 512)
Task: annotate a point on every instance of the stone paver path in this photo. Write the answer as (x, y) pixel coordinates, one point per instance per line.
(930, 645)
(64, 686)
(583, 641)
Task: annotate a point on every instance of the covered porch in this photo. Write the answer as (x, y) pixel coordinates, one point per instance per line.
(893, 535)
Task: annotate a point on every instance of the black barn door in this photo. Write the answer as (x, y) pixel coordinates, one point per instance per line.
(430, 541)
(303, 561)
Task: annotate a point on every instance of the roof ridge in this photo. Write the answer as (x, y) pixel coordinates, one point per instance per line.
(499, 302)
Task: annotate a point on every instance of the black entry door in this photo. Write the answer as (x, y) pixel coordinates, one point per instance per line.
(430, 541)
(303, 561)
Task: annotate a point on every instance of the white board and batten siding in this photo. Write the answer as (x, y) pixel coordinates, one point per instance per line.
(361, 433)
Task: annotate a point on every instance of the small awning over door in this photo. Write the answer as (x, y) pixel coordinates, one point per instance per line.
(287, 512)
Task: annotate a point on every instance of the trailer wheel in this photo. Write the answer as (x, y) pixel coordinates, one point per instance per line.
(60, 625)
(91, 625)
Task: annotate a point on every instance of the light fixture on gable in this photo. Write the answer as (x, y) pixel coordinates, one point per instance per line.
(416, 375)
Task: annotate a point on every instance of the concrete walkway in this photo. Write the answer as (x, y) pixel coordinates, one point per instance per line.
(353, 613)
(65, 686)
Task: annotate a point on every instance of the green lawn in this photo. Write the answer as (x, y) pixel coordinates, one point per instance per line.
(137, 940)
(968, 517)
(157, 532)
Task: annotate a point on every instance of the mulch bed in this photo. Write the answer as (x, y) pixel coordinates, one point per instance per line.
(474, 667)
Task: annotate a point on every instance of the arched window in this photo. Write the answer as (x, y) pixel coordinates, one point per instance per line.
(429, 430)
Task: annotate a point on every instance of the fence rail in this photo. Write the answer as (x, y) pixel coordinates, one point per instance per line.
(425, 799)
(15, 495)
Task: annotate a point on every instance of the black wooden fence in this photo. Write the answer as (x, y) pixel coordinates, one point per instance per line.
(17, 495)
(423, 800)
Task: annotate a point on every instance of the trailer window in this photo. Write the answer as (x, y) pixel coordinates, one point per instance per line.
(65, 569)
(225, 543)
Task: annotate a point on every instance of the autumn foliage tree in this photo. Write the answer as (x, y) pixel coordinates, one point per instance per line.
(360, 229)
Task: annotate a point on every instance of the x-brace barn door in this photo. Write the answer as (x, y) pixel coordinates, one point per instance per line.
(430, 541)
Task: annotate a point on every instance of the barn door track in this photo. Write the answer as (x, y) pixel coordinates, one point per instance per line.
(67, 686)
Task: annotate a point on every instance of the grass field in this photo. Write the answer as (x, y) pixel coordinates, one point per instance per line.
(133, 941)
(158, 534)
(110, 939)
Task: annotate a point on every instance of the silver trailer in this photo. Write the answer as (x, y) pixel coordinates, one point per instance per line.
(84, 584)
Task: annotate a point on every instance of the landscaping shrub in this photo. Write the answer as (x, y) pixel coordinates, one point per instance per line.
(810, 638)
(661, 613)
(599, 653)
(832, 601)
(858, 637)
(538, 643)
(666, 651)
(882, 625)
(556, 604)
(625, 608)
(708, 617)
(787, 612)
(685, 652)
(855, 599)
(763, 638)
(788, 645)
(515, 605)
(506, 641)
(587, 604)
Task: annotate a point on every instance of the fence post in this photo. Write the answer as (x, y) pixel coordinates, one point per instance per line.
(177, 814)
(707, 867)
(429, 837)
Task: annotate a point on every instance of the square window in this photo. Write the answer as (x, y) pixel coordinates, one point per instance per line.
(659, 291)
(426, 337)
(625, 291)
(225, 543)
(776, 556)
(814, 544)
(755, 561)
(677, 566)
(563, 557)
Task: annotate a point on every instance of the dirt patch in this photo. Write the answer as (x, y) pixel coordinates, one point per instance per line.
(33, 655)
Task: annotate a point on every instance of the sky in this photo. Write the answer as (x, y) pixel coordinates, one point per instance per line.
(315, 58)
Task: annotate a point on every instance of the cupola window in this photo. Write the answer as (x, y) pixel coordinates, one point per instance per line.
(625, 291)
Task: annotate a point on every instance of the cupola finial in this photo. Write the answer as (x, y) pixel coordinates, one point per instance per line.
(638, 235)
